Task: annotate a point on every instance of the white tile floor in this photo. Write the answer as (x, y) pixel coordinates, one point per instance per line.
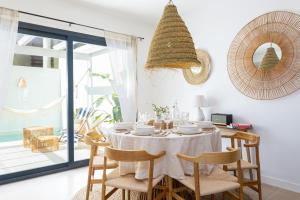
(59, 186)
(14, 157)
(63, 186)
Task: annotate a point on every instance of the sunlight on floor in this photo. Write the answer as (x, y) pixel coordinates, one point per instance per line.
(14, 157)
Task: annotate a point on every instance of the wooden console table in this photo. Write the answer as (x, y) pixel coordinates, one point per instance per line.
(227, 132)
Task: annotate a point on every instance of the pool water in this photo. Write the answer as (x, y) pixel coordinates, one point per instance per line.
(12, 136)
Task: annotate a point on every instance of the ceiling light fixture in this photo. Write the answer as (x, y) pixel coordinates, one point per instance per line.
(172, 45)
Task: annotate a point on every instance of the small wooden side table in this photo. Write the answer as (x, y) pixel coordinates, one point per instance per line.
(44, 143)
(29, 132)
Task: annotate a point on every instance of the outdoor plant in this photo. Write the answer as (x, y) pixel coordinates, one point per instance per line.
(113, 99)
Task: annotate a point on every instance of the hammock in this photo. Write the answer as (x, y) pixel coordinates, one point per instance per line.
(31, 111)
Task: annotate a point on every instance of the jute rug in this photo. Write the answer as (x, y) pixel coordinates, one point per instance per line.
(96, 194)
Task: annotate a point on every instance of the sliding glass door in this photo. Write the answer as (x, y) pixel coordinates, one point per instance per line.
(94, 99)
(50, 103)
(34, 115)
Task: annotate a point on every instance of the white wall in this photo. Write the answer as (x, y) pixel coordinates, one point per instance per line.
(213, 26)
(43, 87)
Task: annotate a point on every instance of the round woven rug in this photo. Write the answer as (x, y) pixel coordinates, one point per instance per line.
(96, 194)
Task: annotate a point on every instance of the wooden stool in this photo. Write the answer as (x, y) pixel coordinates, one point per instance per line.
(35, 131)
(44, 143)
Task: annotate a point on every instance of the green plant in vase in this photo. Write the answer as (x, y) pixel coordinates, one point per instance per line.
(160, 111)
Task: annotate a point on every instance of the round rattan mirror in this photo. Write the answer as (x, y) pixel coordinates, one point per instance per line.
(198, 74)
(278, 79)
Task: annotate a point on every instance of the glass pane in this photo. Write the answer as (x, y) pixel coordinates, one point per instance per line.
(95, 102)
(34, 51)
(34, 118)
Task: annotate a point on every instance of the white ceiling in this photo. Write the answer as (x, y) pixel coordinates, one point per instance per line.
(146, 10)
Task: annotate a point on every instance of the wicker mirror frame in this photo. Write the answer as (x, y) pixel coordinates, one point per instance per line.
(281, 28)
(199, 78)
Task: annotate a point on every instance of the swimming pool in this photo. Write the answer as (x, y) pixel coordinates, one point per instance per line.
(14, 136)
(10, 136)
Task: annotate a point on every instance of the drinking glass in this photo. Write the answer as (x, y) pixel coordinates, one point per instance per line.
(185, 116)
(142, 117)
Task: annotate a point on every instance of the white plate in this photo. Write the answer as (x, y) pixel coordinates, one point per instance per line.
(144, 130)
(124, 125)
(204, 124)
(190, 133)
(141, 133)
(188, 128)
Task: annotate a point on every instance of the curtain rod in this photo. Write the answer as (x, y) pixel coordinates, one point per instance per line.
(73, 23)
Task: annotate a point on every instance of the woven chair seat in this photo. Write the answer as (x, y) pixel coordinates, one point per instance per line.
(244, 165)
(128, 182)
(218, 181)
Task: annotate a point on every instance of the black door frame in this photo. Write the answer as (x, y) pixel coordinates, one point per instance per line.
(69, 37)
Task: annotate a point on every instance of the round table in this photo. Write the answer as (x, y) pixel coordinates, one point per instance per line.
(170, 164)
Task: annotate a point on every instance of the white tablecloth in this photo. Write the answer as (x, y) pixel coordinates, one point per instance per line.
(170, 164)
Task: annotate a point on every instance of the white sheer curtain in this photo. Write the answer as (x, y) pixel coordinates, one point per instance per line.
(8, 35)
(123, 54)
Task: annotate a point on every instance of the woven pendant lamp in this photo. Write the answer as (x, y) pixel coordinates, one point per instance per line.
(269, 60)
(172, 45)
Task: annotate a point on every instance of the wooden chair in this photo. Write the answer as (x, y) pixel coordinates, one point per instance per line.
(95, 139)
(128, 182)
(218, 181)
(248, 141)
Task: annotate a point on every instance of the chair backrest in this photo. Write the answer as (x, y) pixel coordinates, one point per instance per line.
(93, 137)
(246, 136)
(130, 155)
(248, 140)
(214, 157)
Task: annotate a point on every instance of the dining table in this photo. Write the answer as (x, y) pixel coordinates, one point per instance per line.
(172, 143)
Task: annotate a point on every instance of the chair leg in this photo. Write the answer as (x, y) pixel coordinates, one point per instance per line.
(103, 192)
(223, 195)
(149, 195)
(241, 193)
(123, 194)
(88, 186)
(128, 195)
(170, 188)
(92, 177)
(259, 185)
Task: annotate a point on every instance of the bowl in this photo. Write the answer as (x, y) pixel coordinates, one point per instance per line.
(204, 124)
(124, 126)
(188, 129)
